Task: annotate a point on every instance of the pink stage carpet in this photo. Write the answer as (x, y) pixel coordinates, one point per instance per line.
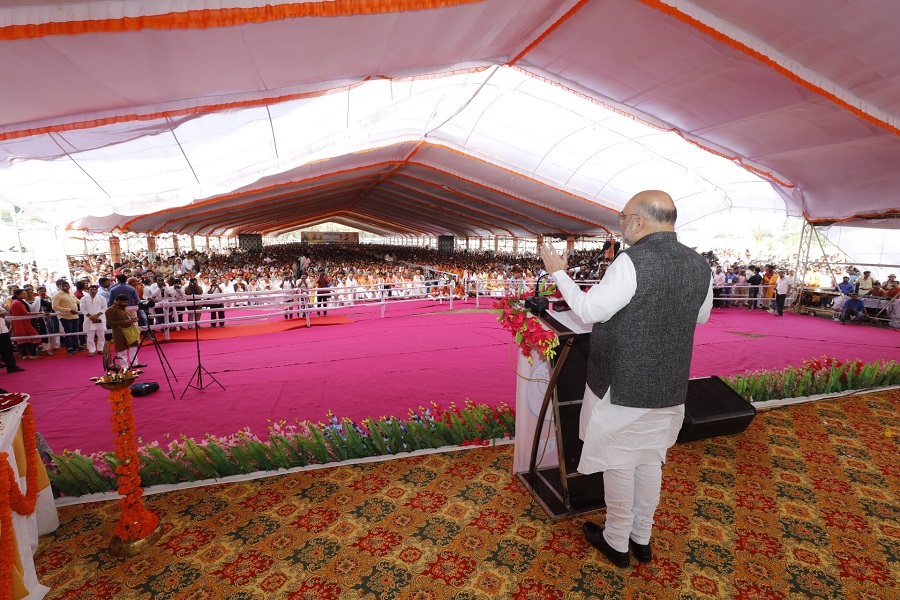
(373, 366)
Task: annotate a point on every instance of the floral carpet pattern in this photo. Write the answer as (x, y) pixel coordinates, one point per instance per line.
(804, 504)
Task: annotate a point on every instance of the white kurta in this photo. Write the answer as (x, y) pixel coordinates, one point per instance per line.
(92, 306)
(619, 437)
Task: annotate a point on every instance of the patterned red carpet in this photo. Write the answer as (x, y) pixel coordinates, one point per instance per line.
(804, 504)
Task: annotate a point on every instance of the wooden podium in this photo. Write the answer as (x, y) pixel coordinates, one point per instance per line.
(560, 489)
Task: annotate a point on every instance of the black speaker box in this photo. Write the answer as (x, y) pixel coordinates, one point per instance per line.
(144, 389)
(712, 409)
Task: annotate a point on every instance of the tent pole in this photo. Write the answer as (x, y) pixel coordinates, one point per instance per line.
(801, 267)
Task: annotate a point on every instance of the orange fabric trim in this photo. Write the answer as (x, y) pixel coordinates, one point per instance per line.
(549, 30)
(181, 112)
(417, 230)
(487, 225)
(197, 220)
(721, 37)
(459, 221)
(250, 211)
(210, 108)
(882, 215)
(225, 17)
(472, 198)
(218, 199)
(418, 213)
(386, 224)
(734, 158)
(520, 175)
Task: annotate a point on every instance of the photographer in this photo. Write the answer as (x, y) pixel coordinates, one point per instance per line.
(154, 293)
(216, 311)
(191, 292)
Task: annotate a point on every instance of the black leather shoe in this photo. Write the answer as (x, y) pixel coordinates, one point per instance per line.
(139, 365)
(14, 369)
(642, 552)
(594, 534)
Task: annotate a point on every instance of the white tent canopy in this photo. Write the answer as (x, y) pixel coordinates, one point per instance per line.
(456, 117)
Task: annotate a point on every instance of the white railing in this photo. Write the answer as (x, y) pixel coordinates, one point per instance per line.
(302, 303)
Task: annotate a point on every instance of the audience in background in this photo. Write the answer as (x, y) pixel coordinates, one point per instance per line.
(331, 275)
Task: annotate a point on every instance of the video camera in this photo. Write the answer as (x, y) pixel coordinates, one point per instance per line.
(146, 305)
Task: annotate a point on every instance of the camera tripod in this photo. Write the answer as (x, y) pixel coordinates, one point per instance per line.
(147, 333)
(200, 370)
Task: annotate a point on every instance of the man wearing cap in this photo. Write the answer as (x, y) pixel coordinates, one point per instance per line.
(853, 308)
(93, 307)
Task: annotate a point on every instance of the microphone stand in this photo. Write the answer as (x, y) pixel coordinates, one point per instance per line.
(200, 370)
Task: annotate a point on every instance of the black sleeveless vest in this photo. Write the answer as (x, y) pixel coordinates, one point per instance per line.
(644, 351)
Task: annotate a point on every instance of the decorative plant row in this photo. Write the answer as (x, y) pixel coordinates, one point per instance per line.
(818, 376)
(288, 446)
(529, 333)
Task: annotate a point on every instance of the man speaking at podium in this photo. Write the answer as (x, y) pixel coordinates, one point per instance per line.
(644, 312)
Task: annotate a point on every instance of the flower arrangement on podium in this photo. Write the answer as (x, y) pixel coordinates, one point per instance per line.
(528, 331)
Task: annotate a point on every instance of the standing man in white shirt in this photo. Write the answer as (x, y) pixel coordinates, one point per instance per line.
(638, 366)
(93, 307)
(782, 289)
(188, 263)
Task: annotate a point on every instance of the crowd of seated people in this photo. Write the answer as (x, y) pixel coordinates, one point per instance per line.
(319, 277)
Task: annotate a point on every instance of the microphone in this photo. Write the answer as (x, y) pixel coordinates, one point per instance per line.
(538, 304)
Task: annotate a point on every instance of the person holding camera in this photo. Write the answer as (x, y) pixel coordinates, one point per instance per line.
(216, 311)
(191, 292)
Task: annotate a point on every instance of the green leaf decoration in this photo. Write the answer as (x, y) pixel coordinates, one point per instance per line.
(825, 376)
(199, 460)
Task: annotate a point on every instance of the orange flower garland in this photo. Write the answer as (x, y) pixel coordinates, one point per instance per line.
(11, 498)
(7, 539)
(136, 521)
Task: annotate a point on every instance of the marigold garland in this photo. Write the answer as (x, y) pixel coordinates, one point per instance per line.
(11, 498)
(530, 334)
(6, 537)
(136, 521)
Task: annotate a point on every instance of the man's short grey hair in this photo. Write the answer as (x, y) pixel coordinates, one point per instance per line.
(656, 214)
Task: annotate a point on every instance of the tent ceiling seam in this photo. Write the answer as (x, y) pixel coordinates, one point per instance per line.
(183, 153)
(77, 164)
